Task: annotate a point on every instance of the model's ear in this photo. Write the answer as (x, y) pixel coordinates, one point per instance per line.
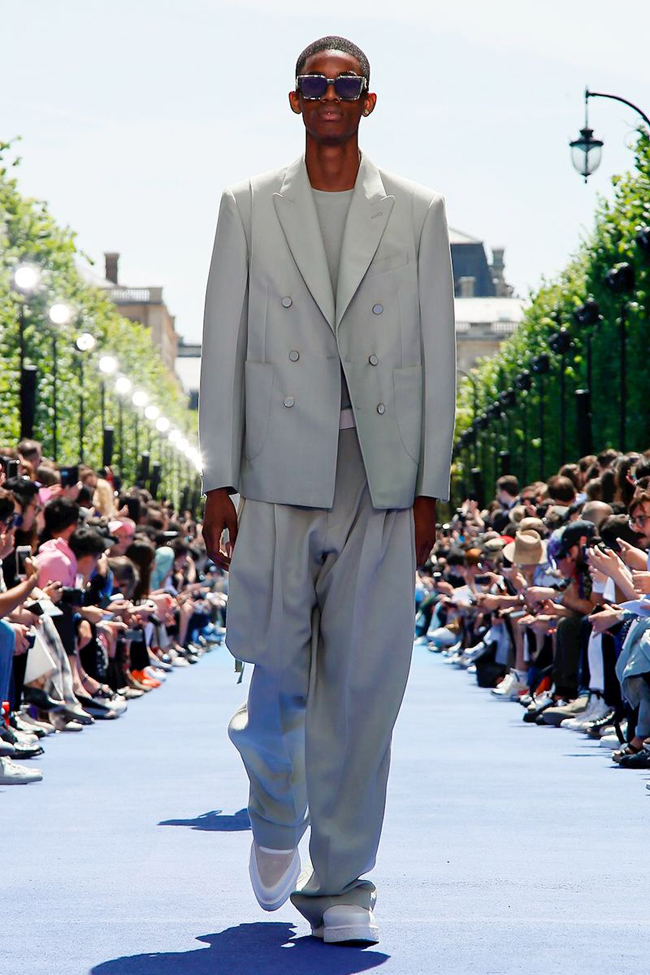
(294, 101)
(369, 103)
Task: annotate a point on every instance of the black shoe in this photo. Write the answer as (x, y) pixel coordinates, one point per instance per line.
(78, 714)
(531, 716)
(594, 728)
(635, 760)
(26, 751)
(38, 697)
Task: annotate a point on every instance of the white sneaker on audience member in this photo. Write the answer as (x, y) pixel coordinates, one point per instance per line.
(13, 774)
(596, 708)
(512, 685)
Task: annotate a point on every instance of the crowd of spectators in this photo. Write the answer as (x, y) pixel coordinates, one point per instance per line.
(544, 596)
(104, 592)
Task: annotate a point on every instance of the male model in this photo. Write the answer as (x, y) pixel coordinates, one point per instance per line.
(327, 403)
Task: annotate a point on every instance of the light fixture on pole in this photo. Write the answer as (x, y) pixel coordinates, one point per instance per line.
(26, 279)
(59, 313)
(586, 152)
(85, 342)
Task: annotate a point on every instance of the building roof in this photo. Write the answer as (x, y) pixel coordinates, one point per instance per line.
(458, 237)
(479, 311)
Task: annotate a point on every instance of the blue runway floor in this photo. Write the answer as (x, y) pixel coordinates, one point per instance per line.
(507, 848)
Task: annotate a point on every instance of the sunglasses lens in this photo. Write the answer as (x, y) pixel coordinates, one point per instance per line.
(312, 86)
(348, 87)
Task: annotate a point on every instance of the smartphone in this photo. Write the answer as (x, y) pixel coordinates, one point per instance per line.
(482, 580)
(22, 552)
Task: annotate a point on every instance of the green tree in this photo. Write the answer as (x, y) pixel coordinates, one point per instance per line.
(29, 233)
(551, 307)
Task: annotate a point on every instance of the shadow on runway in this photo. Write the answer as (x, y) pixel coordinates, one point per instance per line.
(214, 821)
(247, 949)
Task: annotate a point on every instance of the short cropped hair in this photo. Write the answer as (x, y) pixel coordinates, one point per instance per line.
(334, 43)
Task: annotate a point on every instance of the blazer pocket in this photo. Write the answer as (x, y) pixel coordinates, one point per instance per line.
(258, 387)
(407, 385)
(387, 264)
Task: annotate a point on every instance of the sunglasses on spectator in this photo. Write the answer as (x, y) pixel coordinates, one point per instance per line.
(348, 87)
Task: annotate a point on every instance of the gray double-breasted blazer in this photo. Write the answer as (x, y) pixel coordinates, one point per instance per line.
(275, 336)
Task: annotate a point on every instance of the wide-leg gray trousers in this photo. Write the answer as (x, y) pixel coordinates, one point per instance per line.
(321, 601)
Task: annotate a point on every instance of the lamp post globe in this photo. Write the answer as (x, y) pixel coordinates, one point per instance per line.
(586, 152)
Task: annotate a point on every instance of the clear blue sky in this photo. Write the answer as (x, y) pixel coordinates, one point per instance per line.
(134, 115)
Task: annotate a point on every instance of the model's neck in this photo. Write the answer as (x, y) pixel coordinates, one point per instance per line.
(332, 168)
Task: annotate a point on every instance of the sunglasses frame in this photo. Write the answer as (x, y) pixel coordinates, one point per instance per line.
(331, 81)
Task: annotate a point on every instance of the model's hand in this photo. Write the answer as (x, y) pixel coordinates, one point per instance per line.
(220, 513)
(424, 515)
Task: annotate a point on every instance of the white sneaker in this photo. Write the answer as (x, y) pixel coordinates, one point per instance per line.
(347, 922)
(274, 874)
(510, 687)
(13, 774)
(596, 708)
(609, 741)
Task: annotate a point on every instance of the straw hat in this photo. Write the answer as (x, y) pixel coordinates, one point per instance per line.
(528, 548)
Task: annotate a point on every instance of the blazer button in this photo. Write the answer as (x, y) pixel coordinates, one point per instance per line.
(287, 302)
(381, 408)
(377, 309)
(294, 355)
(373, 360)
(289, 401)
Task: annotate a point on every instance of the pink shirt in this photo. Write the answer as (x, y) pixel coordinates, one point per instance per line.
(56, 563)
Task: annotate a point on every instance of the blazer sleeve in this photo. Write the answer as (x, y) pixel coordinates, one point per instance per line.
(438, 330)
(221, 389)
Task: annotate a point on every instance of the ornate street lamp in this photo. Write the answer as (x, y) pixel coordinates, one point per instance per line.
(586, 152)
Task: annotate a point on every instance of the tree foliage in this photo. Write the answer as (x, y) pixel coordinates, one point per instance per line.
(611, 242)
(29, 233)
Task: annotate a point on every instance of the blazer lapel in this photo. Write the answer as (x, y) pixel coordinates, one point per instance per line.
(296, 211)
(368, 215)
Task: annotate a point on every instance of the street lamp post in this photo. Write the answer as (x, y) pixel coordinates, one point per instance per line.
(620, 279)
(84, 342)
(472, 380)
(560, 343)
(523, 382)
(25, 281)
(59, 314)
(586, 152)
(540, 365)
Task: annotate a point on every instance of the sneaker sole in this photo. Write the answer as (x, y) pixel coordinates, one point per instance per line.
(365, 933)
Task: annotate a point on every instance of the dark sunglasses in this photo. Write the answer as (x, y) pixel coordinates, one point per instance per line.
(348, 87)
